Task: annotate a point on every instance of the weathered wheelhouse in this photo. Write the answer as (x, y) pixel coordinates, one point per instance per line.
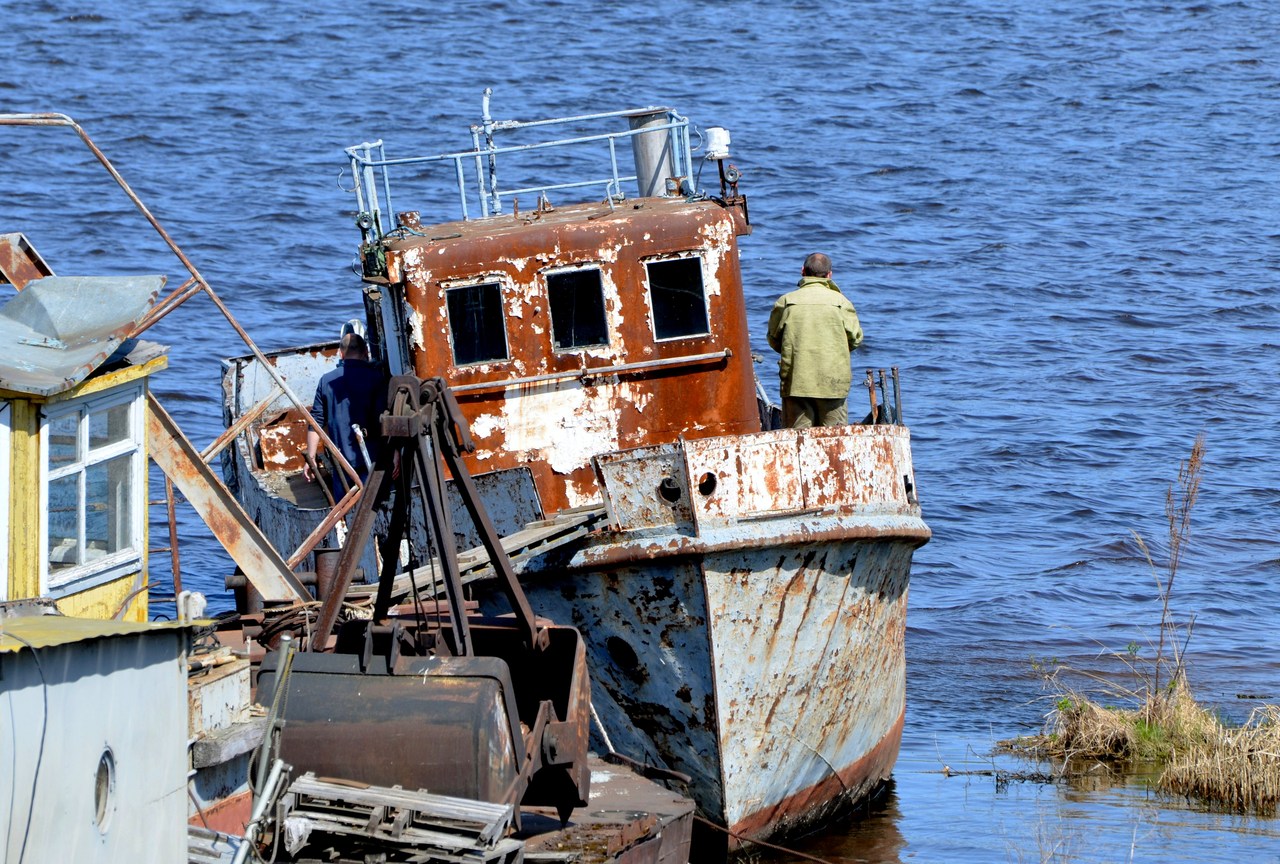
(578, 331)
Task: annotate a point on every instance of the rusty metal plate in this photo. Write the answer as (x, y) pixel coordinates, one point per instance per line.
(858, 466)
(768, 475)
(283, 445)
(20, 263)
(647, 488)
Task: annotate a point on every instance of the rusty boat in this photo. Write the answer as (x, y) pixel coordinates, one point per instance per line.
(741, 589)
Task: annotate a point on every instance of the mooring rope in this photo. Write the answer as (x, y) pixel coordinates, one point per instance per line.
(772, 846)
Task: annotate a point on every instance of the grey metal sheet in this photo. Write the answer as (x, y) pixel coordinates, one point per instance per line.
(59, 329)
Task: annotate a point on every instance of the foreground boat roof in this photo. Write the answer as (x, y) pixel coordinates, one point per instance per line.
(57, 330)
(33, 632)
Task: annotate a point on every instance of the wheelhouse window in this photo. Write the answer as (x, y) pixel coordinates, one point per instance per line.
(476, 323)
(577, 309)
(94, 483)
(677, 298)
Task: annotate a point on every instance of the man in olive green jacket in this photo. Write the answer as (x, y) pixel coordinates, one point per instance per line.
(814, 328)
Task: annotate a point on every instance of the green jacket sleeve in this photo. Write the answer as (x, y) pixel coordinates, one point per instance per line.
(775, 325)
(852, 329)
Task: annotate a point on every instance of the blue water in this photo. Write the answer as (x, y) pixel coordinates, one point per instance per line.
(1059, 219)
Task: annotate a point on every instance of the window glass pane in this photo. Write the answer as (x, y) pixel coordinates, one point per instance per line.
(64, 530)
(62, 440)
(675, 293)
(476, 323)
(109, 425)
(108, 524)
(577, 309)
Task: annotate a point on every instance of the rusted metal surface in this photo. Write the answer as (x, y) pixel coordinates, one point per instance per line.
(556, 424)
(832, 616)
(283, 444)
(762, 579)
(786, 665)
(234, 529)
(446, 725)
(627, 819)
(61, 328)
(646, 638)
(20, 263)
(768, 487)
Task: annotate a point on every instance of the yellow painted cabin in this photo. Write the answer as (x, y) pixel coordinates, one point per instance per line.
(73, 451)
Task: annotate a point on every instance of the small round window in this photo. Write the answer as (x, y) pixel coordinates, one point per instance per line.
(104, 787)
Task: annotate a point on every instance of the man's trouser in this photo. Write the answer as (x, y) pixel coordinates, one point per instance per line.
(801, 412)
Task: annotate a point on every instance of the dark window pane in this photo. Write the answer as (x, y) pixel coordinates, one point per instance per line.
(577, 309)
(675, 292)
(476, 323)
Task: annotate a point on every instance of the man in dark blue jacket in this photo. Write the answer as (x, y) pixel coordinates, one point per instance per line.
(348, 404)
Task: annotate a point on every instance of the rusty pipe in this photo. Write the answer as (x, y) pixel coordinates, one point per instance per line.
(897, 398)
(870, 384)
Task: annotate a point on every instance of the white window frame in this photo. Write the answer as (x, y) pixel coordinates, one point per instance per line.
(6, 501)
(102, 570)
(648, 291)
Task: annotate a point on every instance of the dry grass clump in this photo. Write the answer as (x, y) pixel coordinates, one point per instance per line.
(1080, 727)
(1237, 768)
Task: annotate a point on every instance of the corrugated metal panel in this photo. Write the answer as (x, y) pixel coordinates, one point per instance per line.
(44, 631)
(59, 329)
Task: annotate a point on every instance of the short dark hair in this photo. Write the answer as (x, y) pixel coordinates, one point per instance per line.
(353, 346)
(817, 264)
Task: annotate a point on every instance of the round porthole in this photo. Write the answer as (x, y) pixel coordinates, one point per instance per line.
(104, 787)
(707, 483)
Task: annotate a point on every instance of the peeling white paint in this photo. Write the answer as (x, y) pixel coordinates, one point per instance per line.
(565, 424)
(485, 425)
(717, 239)
(416, 337)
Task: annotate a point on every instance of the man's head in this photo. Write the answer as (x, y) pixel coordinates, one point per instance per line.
(353, 347)
(817, 264)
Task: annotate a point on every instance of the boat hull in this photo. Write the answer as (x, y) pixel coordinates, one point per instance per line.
(774, 677)
(745, 616)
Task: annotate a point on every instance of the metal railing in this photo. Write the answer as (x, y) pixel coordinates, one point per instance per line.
(371, 168)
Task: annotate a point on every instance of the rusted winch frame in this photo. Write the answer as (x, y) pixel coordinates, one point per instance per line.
(423, 431)
(422, 426)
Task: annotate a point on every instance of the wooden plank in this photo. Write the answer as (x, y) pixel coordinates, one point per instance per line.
(226, 744)
(521, 546)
